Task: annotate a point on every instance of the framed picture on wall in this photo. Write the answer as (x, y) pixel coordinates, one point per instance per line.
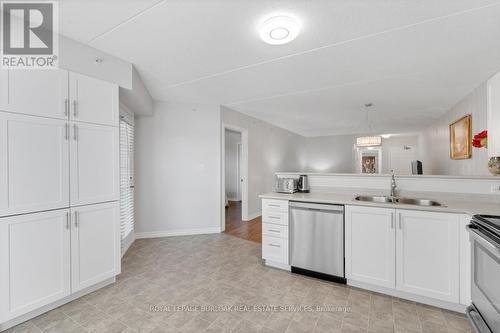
(461, 138)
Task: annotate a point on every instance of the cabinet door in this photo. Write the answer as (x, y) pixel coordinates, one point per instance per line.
(94, 164)
(48, 93)
(370, 245)
(427, 254)
(95, 244)
(34, 164)
(93, 100)
(34, 261)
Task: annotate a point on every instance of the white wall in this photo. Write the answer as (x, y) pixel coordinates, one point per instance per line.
(233, 139)
(435, 140)
(270, 149)
(330, 153)
(178, 156)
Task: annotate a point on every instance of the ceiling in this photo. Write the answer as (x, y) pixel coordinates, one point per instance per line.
(412, 59)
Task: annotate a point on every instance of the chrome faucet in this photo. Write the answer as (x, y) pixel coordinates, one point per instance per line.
(393, 185)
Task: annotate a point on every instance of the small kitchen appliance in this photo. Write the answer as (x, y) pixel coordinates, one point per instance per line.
(286, 185)
(303, 185)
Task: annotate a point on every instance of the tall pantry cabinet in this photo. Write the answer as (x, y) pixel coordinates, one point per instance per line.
(59, 187)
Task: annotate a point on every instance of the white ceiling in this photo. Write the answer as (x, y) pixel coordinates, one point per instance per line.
(412, 59)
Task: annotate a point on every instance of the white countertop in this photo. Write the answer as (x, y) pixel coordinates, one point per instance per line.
(450, 206)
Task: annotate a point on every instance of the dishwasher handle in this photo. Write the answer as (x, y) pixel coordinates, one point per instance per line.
(315, 206)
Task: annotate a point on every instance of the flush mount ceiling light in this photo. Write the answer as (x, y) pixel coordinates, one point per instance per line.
(369, 141)
(279, 29)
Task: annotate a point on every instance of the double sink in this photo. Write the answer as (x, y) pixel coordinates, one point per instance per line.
(397, 200)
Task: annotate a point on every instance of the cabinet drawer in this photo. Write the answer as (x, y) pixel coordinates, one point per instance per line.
(275, 205)
(275, 230)
(280, 218)
(275, 249)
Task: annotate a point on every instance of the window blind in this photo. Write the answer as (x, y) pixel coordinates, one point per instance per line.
(126, 182)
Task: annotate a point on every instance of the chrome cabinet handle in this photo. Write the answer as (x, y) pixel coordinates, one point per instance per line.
(66, 131)
(67, 220)
(76, 219)
(274, 245)
(273, 230)
(400, 223)
(75, 132)
(66, 107)
(75, 108)
(392, 220)
(274, 217)
(273, 205)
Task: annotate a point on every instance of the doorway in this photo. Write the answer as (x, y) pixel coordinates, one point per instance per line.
(235, 221)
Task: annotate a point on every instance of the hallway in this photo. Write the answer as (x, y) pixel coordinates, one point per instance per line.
(250, 230)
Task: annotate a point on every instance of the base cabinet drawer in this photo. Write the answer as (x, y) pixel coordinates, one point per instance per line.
(276, 205)
(275, 230)
(275, 249)
(280, 218)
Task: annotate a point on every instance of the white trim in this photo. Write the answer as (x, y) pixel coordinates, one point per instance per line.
(129, 240)
(178, 232)
(30, 315)
(252, 216)
(412, 297)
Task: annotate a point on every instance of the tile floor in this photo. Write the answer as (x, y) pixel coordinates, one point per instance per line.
(224, 270)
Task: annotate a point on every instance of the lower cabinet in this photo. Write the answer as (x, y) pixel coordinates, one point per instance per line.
(369, 245)
(95, 244)
(411, 251)
(34, 261)
(275, 232)
(428, 254)
(47, 256)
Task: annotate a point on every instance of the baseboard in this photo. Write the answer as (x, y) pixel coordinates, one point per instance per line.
(35, 313)
(252, 216)
(412, 297)
(277, 265)
(178, 232)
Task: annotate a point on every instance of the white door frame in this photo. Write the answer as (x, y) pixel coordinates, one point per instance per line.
(243, 170)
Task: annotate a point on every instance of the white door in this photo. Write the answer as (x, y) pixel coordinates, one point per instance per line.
(427, 254)
(47, 88)
(370, 245)
(95, 244)
(34, 261)
(400, 159)
(93, 101)
(95, 164)
(34, 164)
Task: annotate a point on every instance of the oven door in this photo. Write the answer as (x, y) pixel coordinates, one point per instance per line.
(485, 287)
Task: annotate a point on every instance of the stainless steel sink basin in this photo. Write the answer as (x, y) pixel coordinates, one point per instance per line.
(418, 202)
(374, 198)
(397, 200)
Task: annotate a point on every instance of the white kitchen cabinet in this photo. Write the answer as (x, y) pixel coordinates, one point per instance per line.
(34, 261)
(427, 254)
(275, 232)
(34, 164)
(48, 92)
(95, 244)
(94, 151)
(93, 101)
(369, 244)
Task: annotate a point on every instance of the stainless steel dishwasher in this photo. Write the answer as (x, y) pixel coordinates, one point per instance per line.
(317, 240)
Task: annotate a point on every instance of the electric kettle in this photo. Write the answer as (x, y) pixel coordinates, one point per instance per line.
(303, 185)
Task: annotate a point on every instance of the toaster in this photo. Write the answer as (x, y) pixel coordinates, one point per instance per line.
(286, 185)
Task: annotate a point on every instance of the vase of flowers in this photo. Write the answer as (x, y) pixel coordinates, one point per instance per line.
(481, 141)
